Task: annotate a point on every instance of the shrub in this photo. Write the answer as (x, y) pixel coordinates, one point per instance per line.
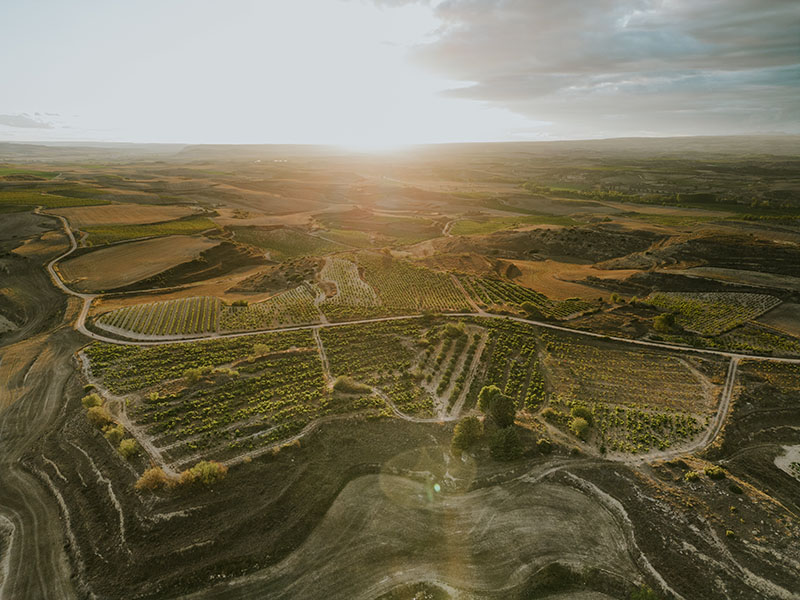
(531, 310)
(467, 433)
(729, 533)
(88, 388)
(153, 478)
(98, 416)
(239, 303)
(114, 433)
(260, 350)
(691, 476)
(487, 396)
(550, 414)
(664, 323)
(128, 448)
(348, 385)
(91, 400)
(505, 444)
(714, 472)
(582, 412)
(644, 593)
(206, 472)
(453, 330)
(735, 489)
(580, 427)
(544, 446)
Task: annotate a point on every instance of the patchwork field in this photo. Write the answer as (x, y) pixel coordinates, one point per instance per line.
(123, 264)
(121, 214)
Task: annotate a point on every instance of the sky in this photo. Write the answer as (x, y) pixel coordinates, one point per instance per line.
(382, 73)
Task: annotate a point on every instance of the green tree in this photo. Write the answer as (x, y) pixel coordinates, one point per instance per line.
(532, 310)
(466, 434)
(505, 444)
(497, 405)
(580, 427)
(664, 322)
(128, 448)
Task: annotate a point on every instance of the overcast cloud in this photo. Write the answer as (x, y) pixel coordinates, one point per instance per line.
(610, 67)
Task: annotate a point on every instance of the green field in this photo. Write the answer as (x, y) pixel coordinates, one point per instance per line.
(283, 243)
(484, 226)
(119, 233)
(34, 198)
(11, 171)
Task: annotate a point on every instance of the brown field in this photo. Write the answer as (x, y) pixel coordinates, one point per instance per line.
(50, 243)
(121, 214)
(785, 317)
(124, 264)
(559, 280)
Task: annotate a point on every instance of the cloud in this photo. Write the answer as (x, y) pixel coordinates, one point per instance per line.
(25, 121)
(623, 64)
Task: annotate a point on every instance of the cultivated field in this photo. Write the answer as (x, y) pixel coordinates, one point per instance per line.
(121, 214)
(123, 264)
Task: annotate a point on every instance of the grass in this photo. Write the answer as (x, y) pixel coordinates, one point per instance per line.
(284, 243)
(32, 198)
(6, 171)
(119, 233)
(478, 227)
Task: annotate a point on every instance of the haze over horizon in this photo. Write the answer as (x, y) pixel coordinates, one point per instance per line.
(382, 73)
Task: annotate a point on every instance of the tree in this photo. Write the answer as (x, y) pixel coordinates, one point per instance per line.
(664, 322)
(486, 396)
(466, 434)
(128, 448)
(505, 444)
(503, 410)
(98, 416)
(206, 472)
(154, 478)
(579, 427)
(497, 405)
(114, 433)
(91, 400)
(532, 310)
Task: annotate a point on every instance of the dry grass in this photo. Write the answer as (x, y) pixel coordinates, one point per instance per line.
(121, 214)
(50, 243)
(123, 264)
(559, 280)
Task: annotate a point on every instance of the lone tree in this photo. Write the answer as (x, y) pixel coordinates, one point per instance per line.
(533, 311)
(497, 405)
(467, 433)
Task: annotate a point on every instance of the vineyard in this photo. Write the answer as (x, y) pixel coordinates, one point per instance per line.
(713, 313)
(635, 400)
(353, 297)
(186, 316)
(293, 307)
(403, 287)
(380, 355)
(219, 398)
(498, 293)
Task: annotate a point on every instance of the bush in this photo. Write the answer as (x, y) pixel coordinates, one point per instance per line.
(348, 385)
(691, 476)
(505, 444)
(531, 310)
(664, 323)
(453, 330)
(729, 533)
(735, 489)
(544, 446)
(128, 448)
(239, 303)
(114, 433)
(98, 416)
(91, 400)
(714, 472)
(580, 427)
(550, 414)
(260, 350)
(153, 478)
(644, 593)
(206, 472)
(582, 412)
(467, 433)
